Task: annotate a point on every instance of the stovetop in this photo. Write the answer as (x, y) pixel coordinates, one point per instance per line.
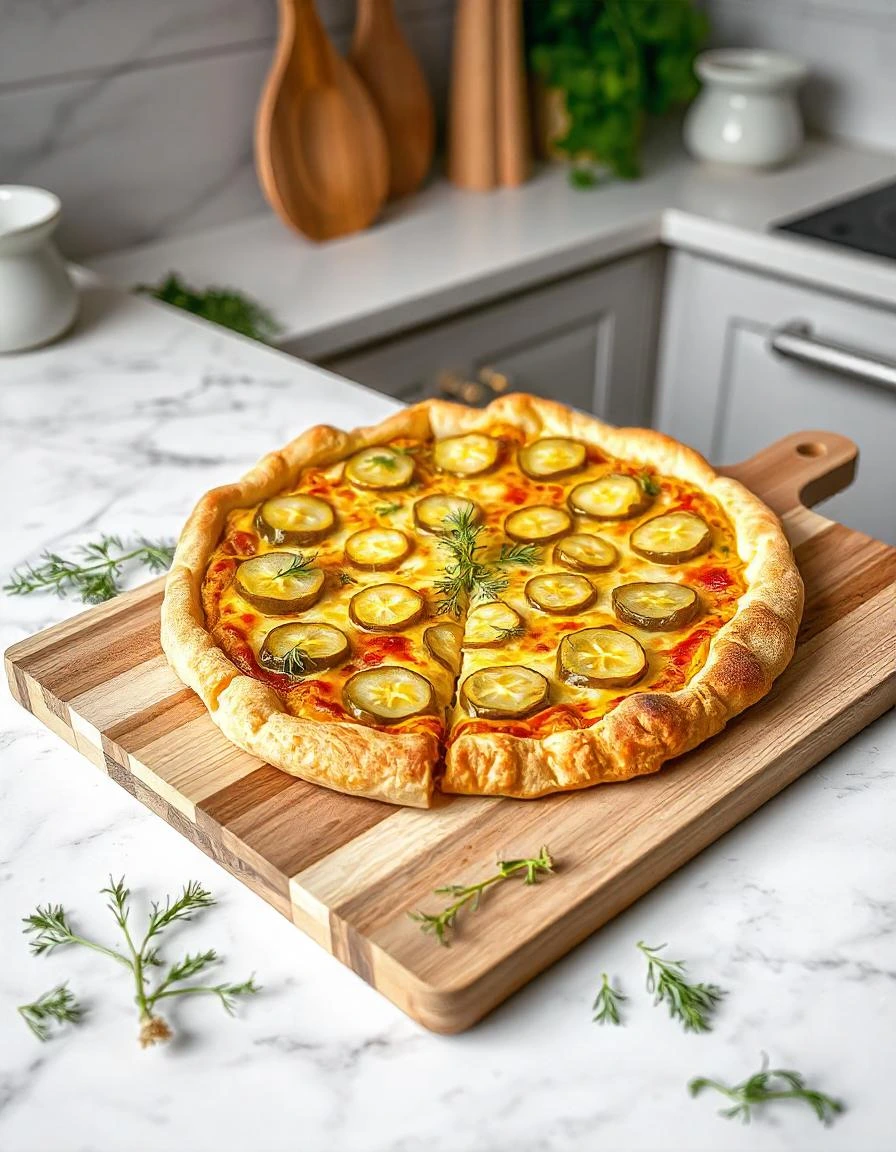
(866, 222)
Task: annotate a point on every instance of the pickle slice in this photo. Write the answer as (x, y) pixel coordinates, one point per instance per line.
(601, 658)
(539, 524)
(300, 649)
(671, 538)
(560, 592)
(552, 456)
(379, 467)
(491, 623)
(658, 607)
(443, 641)
(502, 693)
(377, 547)
(468, 455)
(386, 608)
(387, 694)
(297, 519)
(611, 497)
(431, 514)
(279, 583)
(585, 553)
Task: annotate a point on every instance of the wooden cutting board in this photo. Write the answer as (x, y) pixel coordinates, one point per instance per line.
(348, 871)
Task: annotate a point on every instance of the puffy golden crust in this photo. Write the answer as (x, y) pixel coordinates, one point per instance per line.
(636, 738)
(396, 767)
(648, 728)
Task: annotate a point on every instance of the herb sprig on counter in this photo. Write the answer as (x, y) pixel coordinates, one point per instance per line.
(766, 1086)
(49, 928)
(225, 306)
(441, 924)
(606, 1004)
(55, 1007)
(692, 1004)
(95, 577)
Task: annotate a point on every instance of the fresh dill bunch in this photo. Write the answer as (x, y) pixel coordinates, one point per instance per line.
(57, 1006)
(766, 1086)
(606, 1004)
(225, 306)
(49, 928)
(526, 555)
(466, 576)
(95, 577)
(441, 924)
(692, 1004)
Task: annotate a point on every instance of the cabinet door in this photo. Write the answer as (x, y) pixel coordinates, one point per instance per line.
(723, 390)
(588, 341)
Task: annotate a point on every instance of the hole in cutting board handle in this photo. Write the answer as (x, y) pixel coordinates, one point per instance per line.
(812, 448)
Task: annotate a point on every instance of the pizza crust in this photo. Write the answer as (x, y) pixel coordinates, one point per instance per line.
(636, 738)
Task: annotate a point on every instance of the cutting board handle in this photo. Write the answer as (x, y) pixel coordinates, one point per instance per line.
(802, 468)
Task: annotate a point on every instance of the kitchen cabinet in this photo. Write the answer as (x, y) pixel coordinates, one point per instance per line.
(724, 389)
(588, 340)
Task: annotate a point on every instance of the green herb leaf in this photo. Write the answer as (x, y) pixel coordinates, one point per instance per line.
(299, 563)
(766, 1086)
(95, 579)
(649, 484)
(386, 509)
(692, 1004)
(606, 1004)
(225, 306)
(441, 924)
(524, 555)
(296, 662)
(55, 1007)
(50, 928)
(465, 576)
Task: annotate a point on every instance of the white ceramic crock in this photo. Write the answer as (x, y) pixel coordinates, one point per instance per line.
(38, 300)
(746, 112)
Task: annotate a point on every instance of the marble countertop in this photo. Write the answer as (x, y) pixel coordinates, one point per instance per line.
(445, 250)
(118, 429)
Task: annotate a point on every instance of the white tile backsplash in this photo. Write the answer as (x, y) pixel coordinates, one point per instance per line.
(850, 47)
(139, 113)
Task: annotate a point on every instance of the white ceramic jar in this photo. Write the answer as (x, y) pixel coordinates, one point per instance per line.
(746, 112)
(38, 300)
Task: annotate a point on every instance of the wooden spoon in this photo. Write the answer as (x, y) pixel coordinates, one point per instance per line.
(320, 149)
(386, 64)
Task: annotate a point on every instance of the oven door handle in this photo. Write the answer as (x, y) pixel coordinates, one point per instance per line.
(795, 341)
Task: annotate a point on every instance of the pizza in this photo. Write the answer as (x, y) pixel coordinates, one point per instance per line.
(514, 601)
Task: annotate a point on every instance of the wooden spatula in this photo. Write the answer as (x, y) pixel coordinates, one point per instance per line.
(389, 69)
(320, 149)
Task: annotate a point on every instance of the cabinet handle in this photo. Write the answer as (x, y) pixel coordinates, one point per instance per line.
(795, 340)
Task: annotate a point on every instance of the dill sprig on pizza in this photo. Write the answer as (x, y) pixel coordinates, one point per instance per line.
(510, 601)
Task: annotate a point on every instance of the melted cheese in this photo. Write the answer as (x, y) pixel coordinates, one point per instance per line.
(673, 657)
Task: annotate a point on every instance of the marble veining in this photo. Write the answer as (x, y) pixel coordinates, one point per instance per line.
(119, 428)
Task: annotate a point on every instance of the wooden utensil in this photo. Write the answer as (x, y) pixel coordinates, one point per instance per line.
(320, 149)
(472, 156)
(512, 133)
(384, 60)
(488, 125)
(348, 870)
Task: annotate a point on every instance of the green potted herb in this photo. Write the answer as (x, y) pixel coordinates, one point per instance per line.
(601, 67)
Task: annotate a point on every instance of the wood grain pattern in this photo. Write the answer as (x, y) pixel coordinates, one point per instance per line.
(348, 870)
(320, 148)
(383, 59)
